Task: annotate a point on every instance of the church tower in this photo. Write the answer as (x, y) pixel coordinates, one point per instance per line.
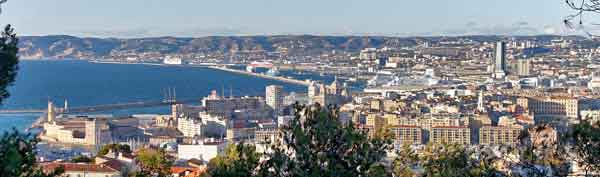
(480, 106)
(51, 114)
(92, 131)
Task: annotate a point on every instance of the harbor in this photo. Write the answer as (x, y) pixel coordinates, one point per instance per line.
(265, 76)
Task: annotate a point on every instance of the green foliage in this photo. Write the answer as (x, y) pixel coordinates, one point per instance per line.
(445, 160)
(153, 162)
(17, 156)
(405, 160)
(8, 60)
(123, 148)
(82, 159)
(238, 161)
(483, 165)
(316, 143)
(586, 137)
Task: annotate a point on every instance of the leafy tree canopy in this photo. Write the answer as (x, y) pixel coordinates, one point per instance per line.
(239, 160)
(18, 156)
(316, 143)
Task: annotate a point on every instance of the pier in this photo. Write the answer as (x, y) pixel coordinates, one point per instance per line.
(100, 108)
(283, 79)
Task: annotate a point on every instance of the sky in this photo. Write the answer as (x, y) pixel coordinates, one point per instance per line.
(195, 18)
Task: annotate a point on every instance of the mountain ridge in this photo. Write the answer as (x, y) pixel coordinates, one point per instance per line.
(67, 46)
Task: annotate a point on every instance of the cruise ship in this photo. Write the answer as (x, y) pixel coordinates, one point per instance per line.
(172, 60)
(392, 79)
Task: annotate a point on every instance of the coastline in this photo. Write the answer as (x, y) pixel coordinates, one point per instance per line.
(215, 67)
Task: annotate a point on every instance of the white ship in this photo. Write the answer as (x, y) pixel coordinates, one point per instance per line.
(250, 68)
(392, 80)
(261, 64)
(274, 71)
(172, 60)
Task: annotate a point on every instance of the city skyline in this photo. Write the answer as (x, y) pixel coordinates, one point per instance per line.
(132, 19)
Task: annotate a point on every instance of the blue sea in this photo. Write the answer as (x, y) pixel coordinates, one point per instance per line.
(84, 84)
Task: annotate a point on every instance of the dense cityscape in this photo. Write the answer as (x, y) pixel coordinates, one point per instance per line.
(293, 104)
(462, 92)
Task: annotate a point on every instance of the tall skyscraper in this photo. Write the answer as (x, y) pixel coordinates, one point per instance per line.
(500, 60)
(274, 96)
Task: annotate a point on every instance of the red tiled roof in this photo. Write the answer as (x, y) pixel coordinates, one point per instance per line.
(193, 172)
(523, 117)
(179, 170)
(114, 164)
(78, 167)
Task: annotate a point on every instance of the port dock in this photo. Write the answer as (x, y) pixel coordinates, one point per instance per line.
(283, 79)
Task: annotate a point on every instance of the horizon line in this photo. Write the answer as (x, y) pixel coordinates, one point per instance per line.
(303, 34)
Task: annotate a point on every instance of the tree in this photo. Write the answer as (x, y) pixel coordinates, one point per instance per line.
(483, 164)
(153, 162)
(581, 7)
(18, 156)
(445, 160)
(122, 148)
(239, 160)
(586, 146)
(82, 159)
(405, 160)
(316, 143)
(9, 61)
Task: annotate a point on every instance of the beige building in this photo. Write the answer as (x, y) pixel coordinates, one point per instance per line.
(83, 131)
(391, 119)
(523, 67)
(407, 134)
(236, 134)
(225, 106)
(190, 126)
(264, 135)
(376, 121)
(435, 120)
(165, 121)
(274, 96)
(554, 106)
(335, 94)
(499, 135)
(451, 135)
(376, 105)
(391, 105)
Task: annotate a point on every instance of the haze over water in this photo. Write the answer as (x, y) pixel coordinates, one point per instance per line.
(84, 84)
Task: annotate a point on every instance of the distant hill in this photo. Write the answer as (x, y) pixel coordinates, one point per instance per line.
(62, 46)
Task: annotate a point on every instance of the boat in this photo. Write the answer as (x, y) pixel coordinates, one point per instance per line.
(261, 64)
(274, 71)
(172, 60)
(250, 68)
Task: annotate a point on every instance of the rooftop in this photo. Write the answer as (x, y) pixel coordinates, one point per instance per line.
(78, 167)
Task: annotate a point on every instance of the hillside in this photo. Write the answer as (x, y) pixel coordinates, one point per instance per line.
(62, 46)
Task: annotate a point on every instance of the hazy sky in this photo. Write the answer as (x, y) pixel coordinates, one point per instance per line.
(138, 18)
